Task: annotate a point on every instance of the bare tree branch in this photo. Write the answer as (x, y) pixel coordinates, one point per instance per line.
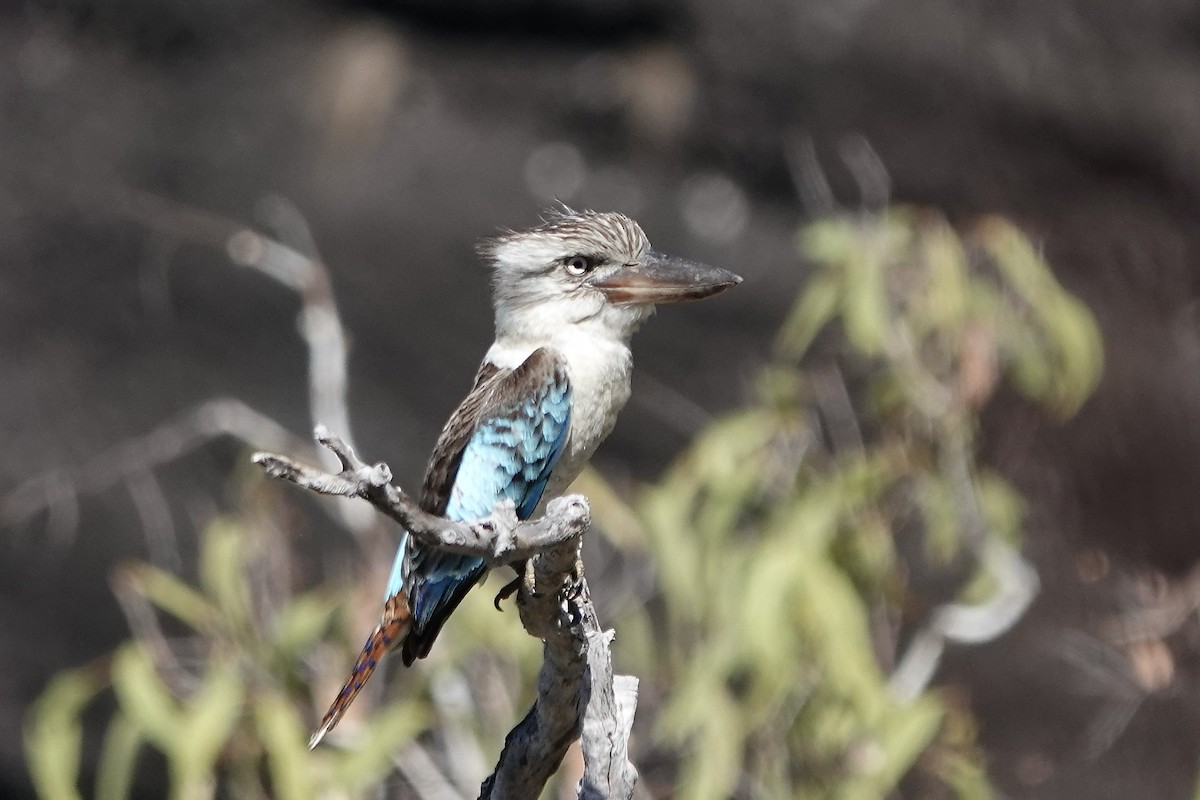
(132, 459)
(576, 694)
(498, 538)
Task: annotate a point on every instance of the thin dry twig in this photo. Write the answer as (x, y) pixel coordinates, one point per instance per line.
(305, 274)
(57, 491)
(424, 775)
(131, 461)
(498, 538)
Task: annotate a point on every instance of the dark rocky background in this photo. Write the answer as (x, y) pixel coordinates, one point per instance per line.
(405, 131)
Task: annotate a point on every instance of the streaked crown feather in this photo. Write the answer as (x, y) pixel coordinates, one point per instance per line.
(564, 233)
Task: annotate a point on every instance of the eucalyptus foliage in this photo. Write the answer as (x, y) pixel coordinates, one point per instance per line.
(775, 535)
(216, 701)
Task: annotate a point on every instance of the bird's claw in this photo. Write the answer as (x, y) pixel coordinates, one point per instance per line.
(573, 611)
(507, 591)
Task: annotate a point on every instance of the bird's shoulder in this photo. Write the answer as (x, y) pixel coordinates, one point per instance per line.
(498, 392)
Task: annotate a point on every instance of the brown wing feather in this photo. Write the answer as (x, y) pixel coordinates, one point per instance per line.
(447, 453)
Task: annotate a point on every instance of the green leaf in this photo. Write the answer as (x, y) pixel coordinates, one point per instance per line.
(205, 726)
(692, 696)
(283, 736)
(712, 768)
(54, 733)
(169, 593)
(836, 619)
(1062, 363)
(965, 776)
(899, 739)
(1002, 505)
(1018, 261)
(144, 697)
(1078, 339)
(372, 756)
(947, 295)
(829, 241)
(814, 310)
(943, 528)
(865, 310)
(222, 573)
(114, 775)
(905, 733)
(302, 622)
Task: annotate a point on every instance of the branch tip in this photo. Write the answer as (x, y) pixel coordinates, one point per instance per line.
(276, 466)
(344, 452)
(571, 507)
(379, 475)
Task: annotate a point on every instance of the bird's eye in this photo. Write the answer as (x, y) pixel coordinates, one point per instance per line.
(579, 265)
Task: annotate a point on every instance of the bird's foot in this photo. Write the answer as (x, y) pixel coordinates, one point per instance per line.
(573, 589)
(528, 577)
(525, 578)
(573, 586)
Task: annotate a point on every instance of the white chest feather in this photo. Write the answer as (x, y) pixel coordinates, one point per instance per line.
(600, 372)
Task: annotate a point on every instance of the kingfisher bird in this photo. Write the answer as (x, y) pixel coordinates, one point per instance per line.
(569, 294)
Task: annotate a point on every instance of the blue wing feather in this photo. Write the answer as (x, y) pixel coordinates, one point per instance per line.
(511, 452)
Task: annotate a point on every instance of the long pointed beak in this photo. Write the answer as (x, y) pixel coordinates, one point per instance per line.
(660, 278)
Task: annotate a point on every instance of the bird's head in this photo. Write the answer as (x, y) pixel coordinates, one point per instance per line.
(588, 269)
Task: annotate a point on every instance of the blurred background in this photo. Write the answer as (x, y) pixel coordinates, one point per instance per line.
(138, 136)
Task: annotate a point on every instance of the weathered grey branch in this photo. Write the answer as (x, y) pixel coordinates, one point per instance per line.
(498, 538)
(965, 623)
(536, 746)
(607, 722)
(576, 694)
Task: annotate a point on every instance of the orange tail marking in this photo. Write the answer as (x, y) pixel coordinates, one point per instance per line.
(389, 633)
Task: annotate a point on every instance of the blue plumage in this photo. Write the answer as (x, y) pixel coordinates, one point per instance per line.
(511, 450)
